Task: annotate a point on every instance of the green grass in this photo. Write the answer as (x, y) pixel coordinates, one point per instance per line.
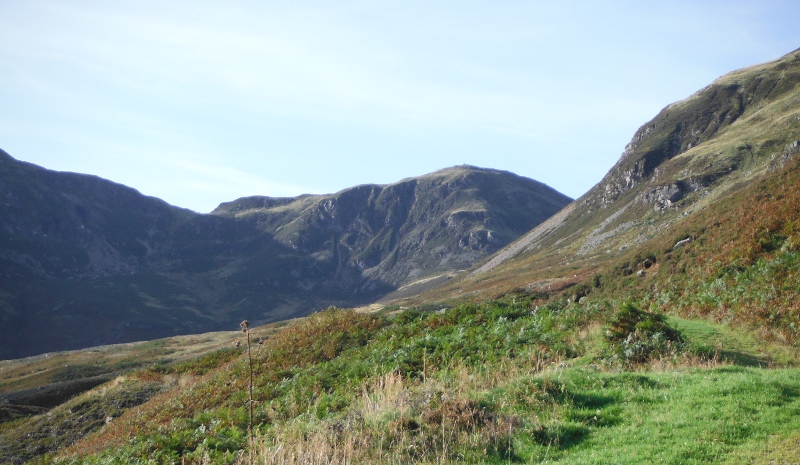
(693, 416)
(729, 346)
(574, 416)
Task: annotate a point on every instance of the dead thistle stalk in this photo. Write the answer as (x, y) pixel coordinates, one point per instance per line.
(245, 325)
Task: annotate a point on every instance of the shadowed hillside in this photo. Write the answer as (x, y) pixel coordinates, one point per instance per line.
(413, 230)
(85, 261)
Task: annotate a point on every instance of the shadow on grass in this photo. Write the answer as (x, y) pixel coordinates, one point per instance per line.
(583, 400)
(561, 435)
(53, 394)
(582, 411)
(713, 342)
(733, 357)
(743, 359)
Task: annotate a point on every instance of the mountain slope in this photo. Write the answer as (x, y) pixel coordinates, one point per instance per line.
(743, 125)
(88, 262)
(66, 224)
(71, 250)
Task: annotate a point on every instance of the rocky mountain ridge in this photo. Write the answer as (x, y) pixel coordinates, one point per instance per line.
(694, 121)
(385, 231)
(86, 261)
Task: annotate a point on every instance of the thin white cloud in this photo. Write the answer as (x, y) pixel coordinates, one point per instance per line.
(322, 68)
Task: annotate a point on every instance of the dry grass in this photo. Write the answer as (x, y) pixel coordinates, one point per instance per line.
(399, 420)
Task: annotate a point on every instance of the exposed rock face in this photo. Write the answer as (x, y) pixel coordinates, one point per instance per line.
(662, 197)
(690, 123)
(84, 261)
(409, 230)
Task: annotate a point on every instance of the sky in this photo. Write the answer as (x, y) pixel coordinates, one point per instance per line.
(202, 102)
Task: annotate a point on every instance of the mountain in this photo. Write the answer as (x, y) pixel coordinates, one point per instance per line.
(678, 165)
(86, 261)
(410, 233)
(653, 320)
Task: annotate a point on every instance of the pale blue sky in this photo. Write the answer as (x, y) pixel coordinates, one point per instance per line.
(201, 102)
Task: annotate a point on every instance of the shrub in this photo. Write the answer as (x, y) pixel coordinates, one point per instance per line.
(636, 336)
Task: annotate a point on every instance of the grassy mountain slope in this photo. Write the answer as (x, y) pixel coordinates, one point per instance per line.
(693, 152)
(88, 262)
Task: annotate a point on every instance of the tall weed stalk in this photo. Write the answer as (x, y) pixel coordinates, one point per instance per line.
(245, 325)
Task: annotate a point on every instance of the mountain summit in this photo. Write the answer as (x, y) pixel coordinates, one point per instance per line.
(86, 261)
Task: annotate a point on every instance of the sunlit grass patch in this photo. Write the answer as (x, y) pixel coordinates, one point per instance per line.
(699, 416)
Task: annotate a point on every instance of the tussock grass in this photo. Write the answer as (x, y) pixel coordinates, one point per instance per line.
(563, 416)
